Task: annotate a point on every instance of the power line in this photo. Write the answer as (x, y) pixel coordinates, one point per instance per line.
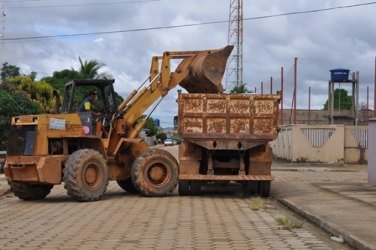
(184, 25)
(312, 11)
(83, 4)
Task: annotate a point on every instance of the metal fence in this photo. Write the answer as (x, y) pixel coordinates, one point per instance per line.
(322, 143)
(360, 134)
(317, 136)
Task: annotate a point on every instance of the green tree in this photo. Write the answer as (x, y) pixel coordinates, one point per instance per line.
(8, 70)
(40, 91)
(90, 70)
(239, 88)
(33, 75)
(150, 127)
(342, 101)
(161, 136)
(44, 95)
(60, 78)
(13, 103)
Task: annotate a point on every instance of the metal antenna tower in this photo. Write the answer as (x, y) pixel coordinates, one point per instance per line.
(2, 31)
(2, 20)
(234, 75)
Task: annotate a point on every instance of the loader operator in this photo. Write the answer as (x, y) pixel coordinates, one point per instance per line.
(86, 105)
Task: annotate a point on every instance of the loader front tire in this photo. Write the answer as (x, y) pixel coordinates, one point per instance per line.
(155, 173)
(30, 192)
(86, 175)
(127, 185)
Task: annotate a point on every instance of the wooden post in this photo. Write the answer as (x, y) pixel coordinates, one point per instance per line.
(262, 88)
(367, 104)
(309, 105)
(357, 98)
(282, 96)
(295, 85)
(271, 85)
(374, 93)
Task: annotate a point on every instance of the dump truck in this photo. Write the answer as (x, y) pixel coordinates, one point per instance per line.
(84, 153)
(225, 138)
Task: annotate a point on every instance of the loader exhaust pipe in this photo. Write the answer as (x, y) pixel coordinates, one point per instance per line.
(206, 71)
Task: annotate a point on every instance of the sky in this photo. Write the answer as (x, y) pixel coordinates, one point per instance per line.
(341, 38)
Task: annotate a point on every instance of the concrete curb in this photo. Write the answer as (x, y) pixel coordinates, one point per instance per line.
(327, 226)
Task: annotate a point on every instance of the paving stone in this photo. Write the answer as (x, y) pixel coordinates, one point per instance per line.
(133, 222)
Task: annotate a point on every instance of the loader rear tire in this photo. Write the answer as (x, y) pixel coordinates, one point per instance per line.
(155, 173)
(86, 175)
(30, 192)
(127, 185)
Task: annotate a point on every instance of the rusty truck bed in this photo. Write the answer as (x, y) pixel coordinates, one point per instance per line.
(228, 119)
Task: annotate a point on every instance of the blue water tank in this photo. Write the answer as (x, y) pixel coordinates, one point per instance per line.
(339, 75)
(157, 122)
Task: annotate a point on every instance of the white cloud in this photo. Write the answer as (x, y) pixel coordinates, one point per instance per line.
(321, 41)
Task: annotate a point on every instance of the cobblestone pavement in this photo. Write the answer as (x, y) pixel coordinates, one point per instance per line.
(337, 198)
(122, 221)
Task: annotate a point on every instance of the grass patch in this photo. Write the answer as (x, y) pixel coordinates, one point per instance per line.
(257, 203)
(288, 222)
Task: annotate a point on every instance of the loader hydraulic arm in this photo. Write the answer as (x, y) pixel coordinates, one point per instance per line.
(198, 72)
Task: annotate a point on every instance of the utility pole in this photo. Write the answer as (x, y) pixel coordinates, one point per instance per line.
(234, 75)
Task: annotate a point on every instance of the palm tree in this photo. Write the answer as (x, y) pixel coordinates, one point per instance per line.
(239, 88)
(90, 70)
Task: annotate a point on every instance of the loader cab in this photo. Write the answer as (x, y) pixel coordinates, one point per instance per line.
(77, 90)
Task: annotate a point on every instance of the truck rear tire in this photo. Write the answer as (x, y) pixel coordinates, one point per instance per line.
(86, 175)
(127, 185)
(264, 188)
(190, 187)
(196, 187)
(258, 188)
(155, 173)
(184, 188)
(30, 192)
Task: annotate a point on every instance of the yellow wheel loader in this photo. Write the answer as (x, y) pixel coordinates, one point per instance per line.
(85, 152)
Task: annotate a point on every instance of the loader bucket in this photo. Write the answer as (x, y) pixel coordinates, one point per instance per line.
(206, 71)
